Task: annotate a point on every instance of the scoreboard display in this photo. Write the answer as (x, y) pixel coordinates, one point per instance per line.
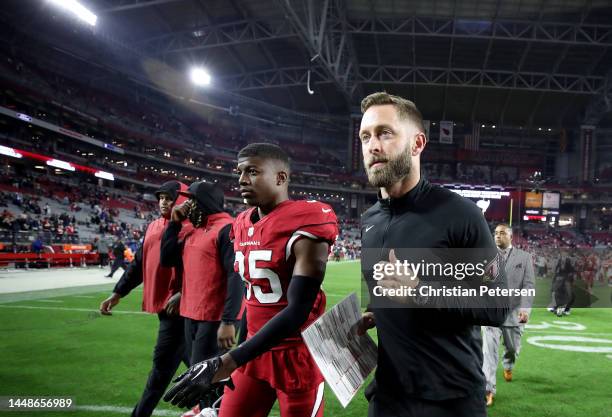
(493, 201)
(542, 207)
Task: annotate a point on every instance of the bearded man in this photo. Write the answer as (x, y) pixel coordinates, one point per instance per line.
(429, 348)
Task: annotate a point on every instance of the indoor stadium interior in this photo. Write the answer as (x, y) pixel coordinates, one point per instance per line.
(103, 101)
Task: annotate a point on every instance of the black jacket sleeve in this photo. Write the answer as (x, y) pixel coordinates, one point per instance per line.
(485, 310)
(171, 249)
(235, 288)
(132, 277)
(301, 296)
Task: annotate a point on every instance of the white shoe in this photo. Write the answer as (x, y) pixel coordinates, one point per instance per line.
(208, 412)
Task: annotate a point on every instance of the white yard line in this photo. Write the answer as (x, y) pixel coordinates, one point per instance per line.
(572, 332)
(85, 310)
(49, 301)
(330, 263)
(127, 410)
(124, 410)
(91, 310)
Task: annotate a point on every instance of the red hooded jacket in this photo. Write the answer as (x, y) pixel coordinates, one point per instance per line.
(159, 282)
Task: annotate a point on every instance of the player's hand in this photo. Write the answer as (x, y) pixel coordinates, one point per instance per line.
(226, 336)
(179, 212)
(197, 382)
(107, 305)
(397, 281)
(367, 322)
(523, 316)
(172, 305)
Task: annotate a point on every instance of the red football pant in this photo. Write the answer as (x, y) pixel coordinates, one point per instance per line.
(255, 398)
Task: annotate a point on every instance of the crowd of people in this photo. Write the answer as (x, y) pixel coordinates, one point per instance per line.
(178, 137)
(177, 238)
(31, 217)
(532, 239)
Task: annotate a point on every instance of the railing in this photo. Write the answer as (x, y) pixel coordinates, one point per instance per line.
(48, 260)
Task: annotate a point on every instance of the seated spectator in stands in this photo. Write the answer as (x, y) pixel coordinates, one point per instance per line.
(37, 245)
(18, 200)
(59, 232)
(7, 220)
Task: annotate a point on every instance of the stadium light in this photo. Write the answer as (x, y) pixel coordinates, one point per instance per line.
(56, 163)
(5, 150)
(76, 8)
(199, 76)
(105, 175)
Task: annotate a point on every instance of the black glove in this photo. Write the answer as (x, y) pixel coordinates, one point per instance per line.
(196, 384)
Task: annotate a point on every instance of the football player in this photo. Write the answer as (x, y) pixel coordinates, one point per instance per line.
(281, 247)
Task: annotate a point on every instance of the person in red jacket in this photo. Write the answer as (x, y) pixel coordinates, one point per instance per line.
(281, 249)
(212, 290)
(161, 296)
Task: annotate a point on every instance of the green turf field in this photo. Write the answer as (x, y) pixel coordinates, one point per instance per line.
(55, 344)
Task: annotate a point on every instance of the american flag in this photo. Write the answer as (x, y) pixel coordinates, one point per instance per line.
(471, 141)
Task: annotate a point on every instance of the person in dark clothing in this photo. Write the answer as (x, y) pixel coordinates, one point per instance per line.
(563, 286)
(119, 261)
(212, 290)
(430, 351)
(161, 296)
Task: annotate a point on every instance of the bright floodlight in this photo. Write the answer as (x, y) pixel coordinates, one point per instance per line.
(76, 8)
(200, 76)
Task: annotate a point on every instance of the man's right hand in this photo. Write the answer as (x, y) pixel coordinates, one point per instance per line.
(107, 305)
(179, 213)
(367, 322)
(200, 380)
(173, 304)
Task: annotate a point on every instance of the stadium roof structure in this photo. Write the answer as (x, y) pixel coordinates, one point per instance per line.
(512, 63)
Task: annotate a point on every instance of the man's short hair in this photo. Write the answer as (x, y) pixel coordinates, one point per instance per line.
(406, 109)
(505, 226)
(264, 151)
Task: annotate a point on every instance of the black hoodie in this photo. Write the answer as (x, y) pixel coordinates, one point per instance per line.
(171, 188)
(208, 197)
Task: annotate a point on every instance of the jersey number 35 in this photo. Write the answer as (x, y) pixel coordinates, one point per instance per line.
(256, 273)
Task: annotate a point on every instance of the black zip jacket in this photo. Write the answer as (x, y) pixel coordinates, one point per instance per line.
(430, 353)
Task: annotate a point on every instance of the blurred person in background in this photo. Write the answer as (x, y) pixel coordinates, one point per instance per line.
(161, 295)
(119, 254)
(518, 265)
